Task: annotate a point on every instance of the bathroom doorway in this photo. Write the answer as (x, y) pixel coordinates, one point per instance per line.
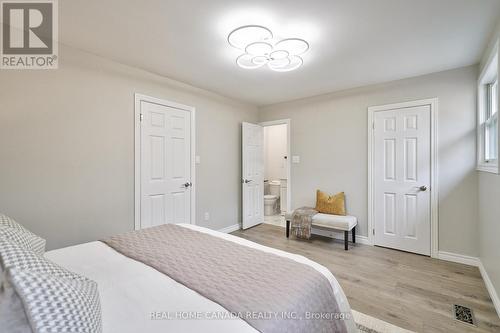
(277, 193)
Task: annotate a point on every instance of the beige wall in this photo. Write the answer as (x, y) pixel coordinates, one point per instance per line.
(489, 226)
(67, 148)
(329, 132)
(489, 209)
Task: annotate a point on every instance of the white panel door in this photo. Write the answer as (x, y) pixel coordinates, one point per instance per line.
(402, 178)
(253, 174)
(165, 165)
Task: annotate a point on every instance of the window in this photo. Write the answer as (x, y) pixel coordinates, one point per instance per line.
(488, 116)
(491, 123)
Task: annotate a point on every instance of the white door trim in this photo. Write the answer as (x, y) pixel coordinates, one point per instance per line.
(287, 122)
(137, 153)
(433, 103)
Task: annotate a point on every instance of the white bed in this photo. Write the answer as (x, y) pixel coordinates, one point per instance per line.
(131, 291)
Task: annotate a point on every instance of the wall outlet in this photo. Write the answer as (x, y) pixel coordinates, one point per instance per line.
(207, 216)
(197, 159)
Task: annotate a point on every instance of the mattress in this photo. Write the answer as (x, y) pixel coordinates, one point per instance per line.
(138, 298)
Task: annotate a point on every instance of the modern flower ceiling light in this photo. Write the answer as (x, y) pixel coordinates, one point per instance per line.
(260, 48)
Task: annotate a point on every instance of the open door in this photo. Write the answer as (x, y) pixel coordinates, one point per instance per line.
(252, 174)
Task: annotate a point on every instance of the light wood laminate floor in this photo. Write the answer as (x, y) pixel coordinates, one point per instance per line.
(408, 290)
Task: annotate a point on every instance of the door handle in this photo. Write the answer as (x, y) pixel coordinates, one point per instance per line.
(246, 181)
(188, 184)
(423, 188)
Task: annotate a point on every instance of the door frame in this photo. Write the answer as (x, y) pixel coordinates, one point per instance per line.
(434, 186)
(137, 153)
(286, 122)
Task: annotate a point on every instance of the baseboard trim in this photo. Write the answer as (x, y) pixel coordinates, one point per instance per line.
(363, 240)
(489, 286)
(459, 258)
(230, 229)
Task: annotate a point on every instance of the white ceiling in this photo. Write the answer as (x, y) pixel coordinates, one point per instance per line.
(353, 42)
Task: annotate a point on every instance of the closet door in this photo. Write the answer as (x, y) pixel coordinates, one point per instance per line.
(165, 165)
(402, 178)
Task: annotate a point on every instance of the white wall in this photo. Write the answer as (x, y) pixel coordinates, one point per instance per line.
(67, 147)
(489, 209)
(329, 133)
(275, 150)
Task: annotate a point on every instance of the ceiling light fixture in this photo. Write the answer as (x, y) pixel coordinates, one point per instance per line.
(259, 47)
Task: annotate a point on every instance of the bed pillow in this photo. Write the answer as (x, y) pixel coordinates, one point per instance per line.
(19, 234)
(12, 316)
(55, 304)
(13, 255)
(37, 295)
(330, 204)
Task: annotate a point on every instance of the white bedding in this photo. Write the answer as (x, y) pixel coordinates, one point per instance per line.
(131, 291)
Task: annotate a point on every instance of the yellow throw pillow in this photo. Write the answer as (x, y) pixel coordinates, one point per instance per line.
(330, 204)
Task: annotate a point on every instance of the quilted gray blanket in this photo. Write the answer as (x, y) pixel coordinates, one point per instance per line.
(269, 292)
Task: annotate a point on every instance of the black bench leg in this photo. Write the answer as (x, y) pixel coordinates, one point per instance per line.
(346, 240)
(354, 235)
(287, 229)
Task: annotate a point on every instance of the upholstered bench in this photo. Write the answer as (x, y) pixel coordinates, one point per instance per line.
(330, 222)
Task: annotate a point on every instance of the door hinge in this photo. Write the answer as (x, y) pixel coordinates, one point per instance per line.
(373, 231)
(141, 117)
(373, 125)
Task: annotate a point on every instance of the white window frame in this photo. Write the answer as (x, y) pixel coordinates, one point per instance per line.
(489, 75)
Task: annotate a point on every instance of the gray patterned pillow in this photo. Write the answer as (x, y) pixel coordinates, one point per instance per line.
(16, 232)
(12, 316)
(55, 304)
(14, 255)
(37, 293)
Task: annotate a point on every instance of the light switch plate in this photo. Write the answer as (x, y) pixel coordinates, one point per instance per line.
(207, 216)
(197, 159)
(296, 159)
